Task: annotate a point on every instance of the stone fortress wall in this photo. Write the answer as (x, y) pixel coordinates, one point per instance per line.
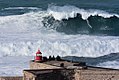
(52, 71)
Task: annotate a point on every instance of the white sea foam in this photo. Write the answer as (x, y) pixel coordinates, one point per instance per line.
(27, 33)
(30, 8)
(66, 12)
(109, 64)
(61, 45)
(13, 66)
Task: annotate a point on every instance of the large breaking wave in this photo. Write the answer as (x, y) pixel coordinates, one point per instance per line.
(81, 21)
(24, 34)
(67, 12)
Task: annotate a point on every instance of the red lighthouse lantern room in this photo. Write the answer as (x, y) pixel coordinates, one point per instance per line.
(38, 56)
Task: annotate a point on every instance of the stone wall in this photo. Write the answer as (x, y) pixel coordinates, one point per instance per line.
(28, 76)
(34, 65)
(11, 78)
(57, 75)
(72, 74)
(50, 74)
(96, 75)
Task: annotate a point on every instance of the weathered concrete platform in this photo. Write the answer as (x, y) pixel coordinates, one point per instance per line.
(53, 64)
(52, 70)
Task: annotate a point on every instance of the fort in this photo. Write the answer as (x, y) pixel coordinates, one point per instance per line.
(65, 70)
(57, 69)
(54, 70)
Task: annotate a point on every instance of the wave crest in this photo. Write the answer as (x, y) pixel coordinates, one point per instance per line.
(67, 12)
(14, 8)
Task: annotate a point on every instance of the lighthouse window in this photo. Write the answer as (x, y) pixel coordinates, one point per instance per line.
(38, 54)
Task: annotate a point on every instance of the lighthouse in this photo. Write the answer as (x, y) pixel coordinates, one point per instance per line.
(38, 56)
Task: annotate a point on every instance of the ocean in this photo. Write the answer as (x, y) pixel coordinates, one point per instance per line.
(69, 28)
